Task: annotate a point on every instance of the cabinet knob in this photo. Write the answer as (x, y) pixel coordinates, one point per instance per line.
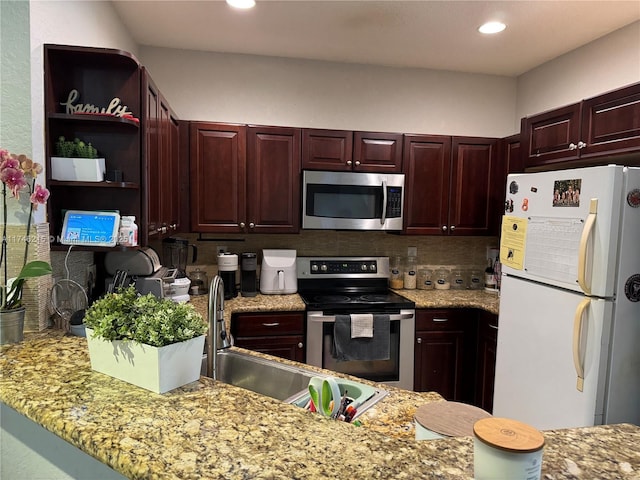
(251, 225)
(453, 227)
(349, 162)
(444, 228)
(581, 144)
(572, 146)
(419, 340)
(357, 163)
(300, 345)
(241, 224)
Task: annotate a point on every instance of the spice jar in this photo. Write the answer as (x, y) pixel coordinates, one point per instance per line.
(442, 279)
(410, 273)
(425, 279)
(396, 279)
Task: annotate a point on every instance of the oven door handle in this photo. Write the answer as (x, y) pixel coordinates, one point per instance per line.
(332, 318)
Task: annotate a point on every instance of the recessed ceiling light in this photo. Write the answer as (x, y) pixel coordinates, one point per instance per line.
(492, 27)
(244, 4)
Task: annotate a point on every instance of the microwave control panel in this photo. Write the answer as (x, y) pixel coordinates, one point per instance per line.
(394, 202)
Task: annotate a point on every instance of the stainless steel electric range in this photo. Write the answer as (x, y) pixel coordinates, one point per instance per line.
(332, 286)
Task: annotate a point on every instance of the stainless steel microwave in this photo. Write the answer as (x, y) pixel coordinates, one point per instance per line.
(352, 200)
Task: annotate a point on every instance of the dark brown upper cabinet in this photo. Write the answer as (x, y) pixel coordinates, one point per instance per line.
(427, 169)
(583, 133)
(244, 179)
(161, 153)
(218, 163)
(327, 150)
(451, 185)
(343, 150)
(273, 179)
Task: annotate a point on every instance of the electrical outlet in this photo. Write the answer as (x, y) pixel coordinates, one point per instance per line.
(90, 276)
(412, 251)
(222, 249)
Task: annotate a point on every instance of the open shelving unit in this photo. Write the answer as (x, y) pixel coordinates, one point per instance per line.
(99, 75)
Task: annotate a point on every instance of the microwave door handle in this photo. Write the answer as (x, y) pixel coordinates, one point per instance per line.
(384, 202)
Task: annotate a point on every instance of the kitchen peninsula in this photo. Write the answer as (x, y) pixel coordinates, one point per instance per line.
(208, 429)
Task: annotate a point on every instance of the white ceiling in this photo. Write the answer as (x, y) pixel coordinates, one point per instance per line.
(438, 35)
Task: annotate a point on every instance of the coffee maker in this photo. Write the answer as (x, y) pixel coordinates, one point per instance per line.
(249, 265)
(174, 254)
(227, 268)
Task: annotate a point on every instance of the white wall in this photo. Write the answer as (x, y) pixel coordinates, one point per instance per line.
(602, 65)
(306, 93)
(15, 114)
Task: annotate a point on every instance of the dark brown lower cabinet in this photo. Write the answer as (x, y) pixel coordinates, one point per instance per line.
(486, 364)
(444, 353)
(280, 334)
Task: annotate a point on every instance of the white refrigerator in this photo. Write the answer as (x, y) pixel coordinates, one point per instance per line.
(568, 351)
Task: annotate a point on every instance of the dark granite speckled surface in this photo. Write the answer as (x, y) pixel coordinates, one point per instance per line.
(208, 429)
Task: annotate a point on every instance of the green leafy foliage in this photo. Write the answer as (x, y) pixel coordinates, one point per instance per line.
(124, 315)
(75, 149)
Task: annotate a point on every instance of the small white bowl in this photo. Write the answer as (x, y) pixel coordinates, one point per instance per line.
(179, 287)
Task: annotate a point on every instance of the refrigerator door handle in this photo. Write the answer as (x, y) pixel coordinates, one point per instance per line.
(578, 359)
(584, 240)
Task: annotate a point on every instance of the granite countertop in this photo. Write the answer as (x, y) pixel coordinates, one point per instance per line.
(209, 429)
(292, 303)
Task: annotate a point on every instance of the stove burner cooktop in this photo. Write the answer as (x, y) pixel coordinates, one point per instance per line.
(352, 301)
(348, 284)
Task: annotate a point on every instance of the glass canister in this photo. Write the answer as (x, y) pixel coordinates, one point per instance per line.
(410, 273)
(476, 278)
(199, 282)
(442, 279)
(396, 279)
(458, 280)
(425, 279)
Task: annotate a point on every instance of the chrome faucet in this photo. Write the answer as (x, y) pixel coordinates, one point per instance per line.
(217, 337)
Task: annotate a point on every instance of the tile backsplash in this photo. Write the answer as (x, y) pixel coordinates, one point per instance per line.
(432, 250)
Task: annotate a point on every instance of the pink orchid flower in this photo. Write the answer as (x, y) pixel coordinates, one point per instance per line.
(39, 196)
(14, 179)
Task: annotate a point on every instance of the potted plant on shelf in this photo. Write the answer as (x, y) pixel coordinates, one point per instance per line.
(77, 161)
(153, 343)
(17, 172)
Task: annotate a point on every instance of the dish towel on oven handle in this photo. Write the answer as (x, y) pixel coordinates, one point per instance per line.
(376, 347)
(361, 325)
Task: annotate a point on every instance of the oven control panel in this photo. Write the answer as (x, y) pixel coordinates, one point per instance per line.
(348, 266)
(326, 268)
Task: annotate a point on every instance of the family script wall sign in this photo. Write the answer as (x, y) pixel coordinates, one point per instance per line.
(115, 108)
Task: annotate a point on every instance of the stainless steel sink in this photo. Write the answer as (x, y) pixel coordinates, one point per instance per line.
(284, 382)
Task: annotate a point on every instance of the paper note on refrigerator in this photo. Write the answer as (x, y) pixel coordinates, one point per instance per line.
(512, 241)
(552, 247)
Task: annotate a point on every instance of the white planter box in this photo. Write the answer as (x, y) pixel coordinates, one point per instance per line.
(78, 169)
(158, 369)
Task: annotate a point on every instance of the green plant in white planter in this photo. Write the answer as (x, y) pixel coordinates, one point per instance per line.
(76, 160)
(153, 343)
